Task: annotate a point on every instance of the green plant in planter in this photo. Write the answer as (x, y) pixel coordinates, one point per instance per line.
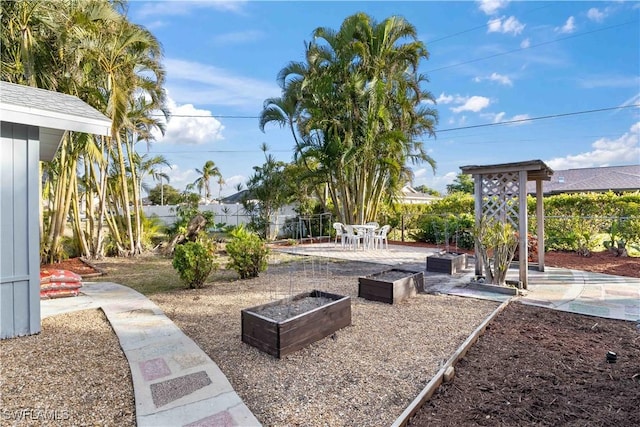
(497, 241)
(194, 261)
(247, 253)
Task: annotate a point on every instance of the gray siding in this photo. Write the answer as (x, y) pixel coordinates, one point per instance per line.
(19, 229)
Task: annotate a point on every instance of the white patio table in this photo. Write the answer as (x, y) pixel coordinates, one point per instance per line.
(367, 231)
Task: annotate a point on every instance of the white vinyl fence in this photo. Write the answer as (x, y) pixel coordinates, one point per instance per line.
(229, 214)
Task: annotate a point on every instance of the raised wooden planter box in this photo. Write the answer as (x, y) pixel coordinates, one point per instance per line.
(449, 262)
(278, 329)
(391, 286)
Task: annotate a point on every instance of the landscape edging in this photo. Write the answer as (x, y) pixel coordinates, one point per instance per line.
(437, 379)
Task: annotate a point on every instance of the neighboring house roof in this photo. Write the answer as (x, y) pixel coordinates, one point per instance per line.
(53, 112)
(411, 195)
(235, 198)
(601, 179)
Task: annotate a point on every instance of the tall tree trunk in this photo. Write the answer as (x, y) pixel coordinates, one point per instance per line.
(125, 196)
(137, 248)
(98, 248)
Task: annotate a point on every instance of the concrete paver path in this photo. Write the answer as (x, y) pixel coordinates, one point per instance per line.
(175, 383)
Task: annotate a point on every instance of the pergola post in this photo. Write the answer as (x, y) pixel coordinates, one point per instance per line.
(477, 187)
(540, 223)
(523, 262)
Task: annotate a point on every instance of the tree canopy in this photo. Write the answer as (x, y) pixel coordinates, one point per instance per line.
(358, 111)
(89, 49)
(462, 184)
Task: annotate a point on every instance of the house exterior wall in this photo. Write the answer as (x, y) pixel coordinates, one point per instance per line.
(19, 230)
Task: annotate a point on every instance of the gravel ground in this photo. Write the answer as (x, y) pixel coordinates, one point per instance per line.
(364, 375)
(72, 373)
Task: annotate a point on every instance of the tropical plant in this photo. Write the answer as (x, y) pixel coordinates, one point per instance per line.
(462, 184)
(269, 187)
(152, 166)
(194, 261)
(357, 110)
(497, 242)
(247, 253)
(164, 194)
(209, 170)
(88, 48)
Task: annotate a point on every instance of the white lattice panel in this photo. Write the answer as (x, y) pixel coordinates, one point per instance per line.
(500, 196)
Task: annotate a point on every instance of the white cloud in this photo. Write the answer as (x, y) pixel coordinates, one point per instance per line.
(596, 15)
(611, 81)
(635, 99)
(238, 37)
(474, 104)
(186, 7)
(605, 152)
(568, 27)
(444, 99)
(525, 43)
(217, 86)
(185, 128)
(490, 7)
(520, 117)
(495, 77)
(506, 26)
(501, 117)
(154, 25)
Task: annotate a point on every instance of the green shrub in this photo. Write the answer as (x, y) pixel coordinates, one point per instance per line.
(194, 261)
(446, 229)
(247, 253)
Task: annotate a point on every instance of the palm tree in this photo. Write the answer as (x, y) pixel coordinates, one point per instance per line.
(89, 49)
(221, 182)
(152, 166)
(209, 170)
(358, 108)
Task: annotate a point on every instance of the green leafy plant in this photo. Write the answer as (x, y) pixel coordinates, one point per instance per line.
(497, 242)
(247, 253)
(194, 261)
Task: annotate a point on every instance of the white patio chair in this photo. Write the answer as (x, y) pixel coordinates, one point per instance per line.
(339, 228)
(353, 239)
(380, 237)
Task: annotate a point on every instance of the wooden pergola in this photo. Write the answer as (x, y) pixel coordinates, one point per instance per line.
(501, 193)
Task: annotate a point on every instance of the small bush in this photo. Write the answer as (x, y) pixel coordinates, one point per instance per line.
(194, 261)
(247, 253)
(446, 230)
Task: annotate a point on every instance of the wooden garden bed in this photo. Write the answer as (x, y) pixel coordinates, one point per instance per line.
(448, 262)
(391, 286)
(284, 326)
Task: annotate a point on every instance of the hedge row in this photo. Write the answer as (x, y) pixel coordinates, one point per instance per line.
(573, 222)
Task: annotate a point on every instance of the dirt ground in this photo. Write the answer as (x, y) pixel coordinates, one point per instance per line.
(535, 366)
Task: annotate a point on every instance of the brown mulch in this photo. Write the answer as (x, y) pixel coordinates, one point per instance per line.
(535, 366)
(75, 265)
(598, 262)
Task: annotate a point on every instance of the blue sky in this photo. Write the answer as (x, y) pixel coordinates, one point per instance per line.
(490, 62)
